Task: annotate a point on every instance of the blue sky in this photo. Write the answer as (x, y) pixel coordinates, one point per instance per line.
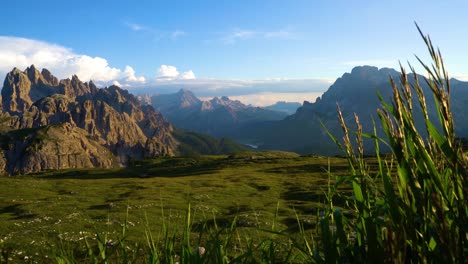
(227, 42)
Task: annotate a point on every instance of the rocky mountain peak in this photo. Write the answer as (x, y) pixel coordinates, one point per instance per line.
(371, 73)
(188, 99)
(364, 70)
(183, 99)
(185, 91)
(225, 102)
(361, 83)
(74, 87)
(51, 79)
(15, 92)
(33, 74)
(110, 121)
(75, 80)
(40, 78)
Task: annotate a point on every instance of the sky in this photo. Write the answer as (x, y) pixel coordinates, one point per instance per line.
(256, 51)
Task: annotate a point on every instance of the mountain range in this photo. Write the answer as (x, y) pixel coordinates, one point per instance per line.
(355, 92)
(50, 124)
(219, 117)
(302, 131)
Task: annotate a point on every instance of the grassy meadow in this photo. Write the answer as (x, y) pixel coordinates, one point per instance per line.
(260, 192)
(406, 206)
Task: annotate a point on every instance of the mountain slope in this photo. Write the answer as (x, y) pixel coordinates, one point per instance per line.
(193, 144)
(354, 92)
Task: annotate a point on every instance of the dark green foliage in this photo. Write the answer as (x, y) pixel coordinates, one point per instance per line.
(193, 144)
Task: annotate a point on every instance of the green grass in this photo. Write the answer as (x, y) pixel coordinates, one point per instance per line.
(38, 210)
(408, 206)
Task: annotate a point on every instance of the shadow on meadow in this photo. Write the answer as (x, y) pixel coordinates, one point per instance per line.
(173, 167)
(306, 168)
(17, 212)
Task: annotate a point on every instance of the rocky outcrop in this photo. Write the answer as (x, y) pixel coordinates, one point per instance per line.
(71, 124)
(15, 92)
(52, 148)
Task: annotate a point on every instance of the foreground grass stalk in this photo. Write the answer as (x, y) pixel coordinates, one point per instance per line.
(420, 214)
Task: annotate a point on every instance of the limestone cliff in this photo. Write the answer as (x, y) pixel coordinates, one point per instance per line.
(50, 148)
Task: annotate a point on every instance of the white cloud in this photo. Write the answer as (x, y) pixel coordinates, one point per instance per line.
(461, 77)
(131, 77)
(117, 83)
(188, 75)
(61, 61)
(170, 73)
(167, 72)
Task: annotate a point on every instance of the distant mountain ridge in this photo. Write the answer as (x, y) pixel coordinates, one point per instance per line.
(50, 124)
(285, 107)
(354, 92)
(220, 116)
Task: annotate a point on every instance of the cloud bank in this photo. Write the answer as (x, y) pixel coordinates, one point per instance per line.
(62, 62)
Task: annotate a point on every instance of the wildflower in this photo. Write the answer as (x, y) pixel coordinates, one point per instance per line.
(199, 250)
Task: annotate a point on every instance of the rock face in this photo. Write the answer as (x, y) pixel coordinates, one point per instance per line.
(53, 147)
(50, 124)
(219, 117)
